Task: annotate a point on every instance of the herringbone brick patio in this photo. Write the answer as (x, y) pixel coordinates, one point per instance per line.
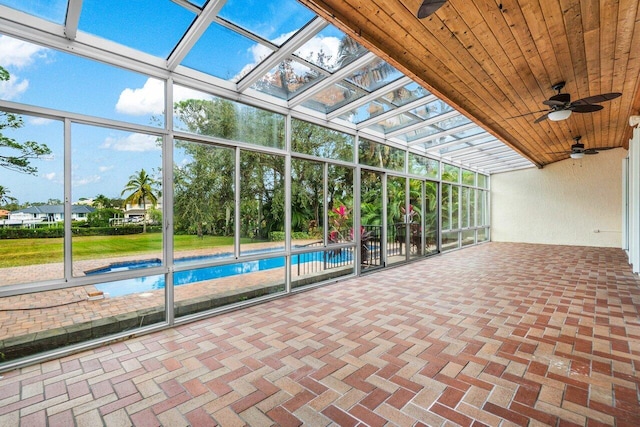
(499, 334)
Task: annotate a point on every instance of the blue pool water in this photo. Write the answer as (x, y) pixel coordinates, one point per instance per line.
(149, 283)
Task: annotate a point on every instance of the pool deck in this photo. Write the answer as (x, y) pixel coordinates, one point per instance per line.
(494, 335)
(40, 311)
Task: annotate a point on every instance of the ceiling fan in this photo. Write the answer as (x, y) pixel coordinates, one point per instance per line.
(561, 106)
(428, 7)
(578, 151)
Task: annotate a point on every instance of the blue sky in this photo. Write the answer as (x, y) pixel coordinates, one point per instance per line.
(103, 159)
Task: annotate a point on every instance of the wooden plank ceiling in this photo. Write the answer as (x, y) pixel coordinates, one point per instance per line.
(497, 59)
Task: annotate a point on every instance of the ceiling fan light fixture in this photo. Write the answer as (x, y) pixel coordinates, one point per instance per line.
(577, 155)
(558, 115)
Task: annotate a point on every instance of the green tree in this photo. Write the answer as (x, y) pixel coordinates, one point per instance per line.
(14, 155)
(101, 202)
(380, 155)
(215, 117)
(203, 187)
(309, 138)
(203, 190)
(101, 217)
(262, 193)
(306, 194)
(142, 189)
(5, 198)
(155, 216)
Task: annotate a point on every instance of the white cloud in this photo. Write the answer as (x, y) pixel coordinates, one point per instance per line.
(329, 45)
(49, 176)
(13, 88)
(105, 168)
(39, 121)
(149, 99)
(19, 54)
(133, 142)
(259, 52)
(180, 93)
(87, 180)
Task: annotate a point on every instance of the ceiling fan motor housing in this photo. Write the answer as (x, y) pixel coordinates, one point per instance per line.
(563, 98)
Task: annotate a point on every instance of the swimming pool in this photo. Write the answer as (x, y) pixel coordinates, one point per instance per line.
(150, 283)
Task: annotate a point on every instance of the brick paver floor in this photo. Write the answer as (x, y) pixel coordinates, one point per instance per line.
(499, 334)
(41, 311)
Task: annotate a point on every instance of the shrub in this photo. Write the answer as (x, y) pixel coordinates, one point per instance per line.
(277, 236)
(30, 233)
(50, 232)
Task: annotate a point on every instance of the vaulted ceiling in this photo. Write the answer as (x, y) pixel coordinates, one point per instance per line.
(497, 60)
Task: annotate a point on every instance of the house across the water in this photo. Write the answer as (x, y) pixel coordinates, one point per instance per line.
(45, 213)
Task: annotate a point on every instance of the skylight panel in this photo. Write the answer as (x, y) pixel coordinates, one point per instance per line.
(273, 20)
(396, 122)
(225, 54)
(419, 133)
(287, 79)
(453, 122)
(159, 25)
(466, 144)
(406, 94)
(469, 132)
(330, 49)
(365, 112)
(374, 75)
(333, 97)
(444, 139)
(395, 98)
(432, 109)
(52, 10)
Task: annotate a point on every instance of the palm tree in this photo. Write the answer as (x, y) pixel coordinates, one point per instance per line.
(143, 189)
(5, 198)
(101, 202)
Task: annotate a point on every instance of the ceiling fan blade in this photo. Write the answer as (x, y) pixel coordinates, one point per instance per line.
(531, 112)
(590, 151)
(428, 7)
(558, 100)
(598, 98)
(586, 108)
(541, 118)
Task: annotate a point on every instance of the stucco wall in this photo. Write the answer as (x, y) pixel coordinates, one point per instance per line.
(563, 203)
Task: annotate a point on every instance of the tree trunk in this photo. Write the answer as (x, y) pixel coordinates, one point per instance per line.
(227, 220)
(144, 217)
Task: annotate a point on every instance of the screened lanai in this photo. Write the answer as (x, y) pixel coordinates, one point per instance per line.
(225, 153)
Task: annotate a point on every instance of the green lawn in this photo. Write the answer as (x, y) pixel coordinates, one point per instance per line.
(17, 252)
